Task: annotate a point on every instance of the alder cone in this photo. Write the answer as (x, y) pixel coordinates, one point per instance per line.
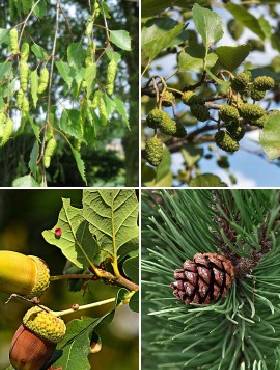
(204, 280)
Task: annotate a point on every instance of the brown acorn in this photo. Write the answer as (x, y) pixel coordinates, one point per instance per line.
(28, 351)
(22, 274)
(35, 341)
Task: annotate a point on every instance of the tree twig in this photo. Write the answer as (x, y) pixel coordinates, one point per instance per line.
(101, 274)
(83, 307)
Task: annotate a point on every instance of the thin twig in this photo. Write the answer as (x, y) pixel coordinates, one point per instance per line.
(99, 273)
(26, 19)
(84, 307)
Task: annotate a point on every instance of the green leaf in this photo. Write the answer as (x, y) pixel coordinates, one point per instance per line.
(112, 216)
(65, 72)
(75, 346)
(150, 8)
(131, 268)
(208, 24)
(80, 163)
(76, 55)
(34, 87)
(240, 13)
(270, 137)
(121, 39)
(265, 26)
(39, 52)
(5, 69)
(191, 154)
(4, 36)
(231, 57)
(33, 158)
(120, 107)
(41, 9)
(76, 243)
(70, 123)
(134, 302)
(159, 35)
(207, 180)
(188, 63)
(35, 128)
(25, 182)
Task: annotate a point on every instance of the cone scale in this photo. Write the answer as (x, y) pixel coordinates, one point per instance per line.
(204, 280)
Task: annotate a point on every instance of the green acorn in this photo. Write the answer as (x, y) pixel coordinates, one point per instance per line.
(226, 142)
(168, 99)
(228, 113)
(236, 131)
(186, 97)
(241, 81)
(235, 29)
(154, 150)
(200, 111)
(263, 83)
(251, 111)
(258, 94)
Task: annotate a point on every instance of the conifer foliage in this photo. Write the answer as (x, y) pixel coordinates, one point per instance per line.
(238, 331)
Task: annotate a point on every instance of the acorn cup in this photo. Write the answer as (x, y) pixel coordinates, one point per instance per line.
(35, 341)
(21, 274)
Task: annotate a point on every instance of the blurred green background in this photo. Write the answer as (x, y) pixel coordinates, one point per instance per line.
(24, 214)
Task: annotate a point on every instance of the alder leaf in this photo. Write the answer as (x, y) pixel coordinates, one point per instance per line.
(80, 163)
(270, 137)
(75, 346)
(64, 72)
(121, 39)
(70, 123)
(75, 242)
(231, 57)
(208, 24)
(241, 14)
(158, 35)
(112, 216)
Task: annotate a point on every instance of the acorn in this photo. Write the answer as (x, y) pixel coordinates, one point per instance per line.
(34, 343)
(21, 274)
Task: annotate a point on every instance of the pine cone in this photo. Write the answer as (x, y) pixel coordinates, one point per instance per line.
(205, 279)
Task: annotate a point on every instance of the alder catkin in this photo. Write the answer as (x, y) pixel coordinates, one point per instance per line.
(111, 75)
(24, 53)
(7, 131)
(14, 45)
(23, 72)
(50, 150)
(43, 81)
